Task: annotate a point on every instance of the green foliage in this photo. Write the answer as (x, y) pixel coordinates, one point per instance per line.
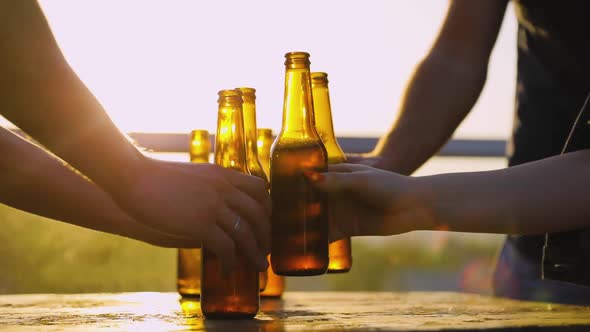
(39, 255)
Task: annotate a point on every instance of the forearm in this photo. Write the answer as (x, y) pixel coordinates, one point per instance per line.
(34, 181)
(549, 195)
(445, 85)
(41, 94)
(440, 94)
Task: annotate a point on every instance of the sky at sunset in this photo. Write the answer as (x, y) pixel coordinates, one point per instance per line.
(156, 66)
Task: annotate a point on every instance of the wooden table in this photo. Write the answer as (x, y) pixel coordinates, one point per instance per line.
(303, 311)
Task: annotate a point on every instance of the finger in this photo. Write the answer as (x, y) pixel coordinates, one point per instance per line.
(345, 218)
(354, 158)
(348, 168)
(250, 185)
(240, 231)
(168, 241)
(335, 233)
(219, 243)
(333, 182)
(254, 213)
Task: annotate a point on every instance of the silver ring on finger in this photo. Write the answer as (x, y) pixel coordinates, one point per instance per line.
(237, 223)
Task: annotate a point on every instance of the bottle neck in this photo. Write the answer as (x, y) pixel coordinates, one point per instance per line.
(250, 131)
(230, 147)
(323, 123)
(199, 146)
(202, 158)
(298, 104)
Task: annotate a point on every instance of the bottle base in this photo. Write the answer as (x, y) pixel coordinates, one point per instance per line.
(229, 316)
(338, 271)
(189, 296)
(301, 273)
(271, 297)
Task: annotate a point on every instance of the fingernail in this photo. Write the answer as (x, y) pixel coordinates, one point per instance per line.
(314, 176)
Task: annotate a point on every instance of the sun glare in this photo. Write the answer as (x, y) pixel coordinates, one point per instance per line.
(156, 66)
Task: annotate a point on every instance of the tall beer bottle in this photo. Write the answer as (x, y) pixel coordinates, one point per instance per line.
(235, 294)
(188, 281)
(254, 166)
(340, 252)
(276, 284)
(299, 211)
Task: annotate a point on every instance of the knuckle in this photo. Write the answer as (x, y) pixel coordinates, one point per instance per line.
(257, 183)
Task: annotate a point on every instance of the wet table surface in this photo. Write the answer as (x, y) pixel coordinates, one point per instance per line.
(297, 311)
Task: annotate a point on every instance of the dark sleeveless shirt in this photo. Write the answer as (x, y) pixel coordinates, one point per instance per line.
(553, 80)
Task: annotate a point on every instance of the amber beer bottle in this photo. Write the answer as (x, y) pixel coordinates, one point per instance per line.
(264, 142)
(235, 294)
(275, 285)
(188, 281)
(254, 166)
(340, 252)
(299, 211)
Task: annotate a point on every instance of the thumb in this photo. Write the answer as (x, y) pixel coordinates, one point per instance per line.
(354, 158)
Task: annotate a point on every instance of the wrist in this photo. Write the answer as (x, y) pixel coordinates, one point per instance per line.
(429, 207)
(389, 161)
(125, 172)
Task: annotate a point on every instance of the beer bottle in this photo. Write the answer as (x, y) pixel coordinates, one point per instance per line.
(275, 285)
(254, 166)
(340, 252)
(299, 211)
(199, 146)
(188, 281)
(264, 143)
(235, 294)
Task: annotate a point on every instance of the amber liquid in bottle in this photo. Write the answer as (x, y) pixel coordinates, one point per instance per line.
(254, 166)
(188, 281)
(275, 285)
(299, 211)
(340, 251)
(233, 295)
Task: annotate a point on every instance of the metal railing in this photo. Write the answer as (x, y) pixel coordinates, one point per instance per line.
(178, 142)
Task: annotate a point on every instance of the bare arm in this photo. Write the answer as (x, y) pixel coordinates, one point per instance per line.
(549, 195)
(41, 94)
(444, 87)
(36, 182)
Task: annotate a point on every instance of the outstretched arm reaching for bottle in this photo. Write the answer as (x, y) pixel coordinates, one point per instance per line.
(443, 89)
(525, 199)
(37, 182)
(41, 94)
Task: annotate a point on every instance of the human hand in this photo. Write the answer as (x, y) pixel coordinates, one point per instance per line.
(370, 201)
(371, 159)
(222, 209)
(130, 228)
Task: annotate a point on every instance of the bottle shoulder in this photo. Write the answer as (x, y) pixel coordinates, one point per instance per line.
(256, 170)
(298, 143)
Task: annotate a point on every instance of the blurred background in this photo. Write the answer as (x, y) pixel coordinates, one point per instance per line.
(156, 67)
